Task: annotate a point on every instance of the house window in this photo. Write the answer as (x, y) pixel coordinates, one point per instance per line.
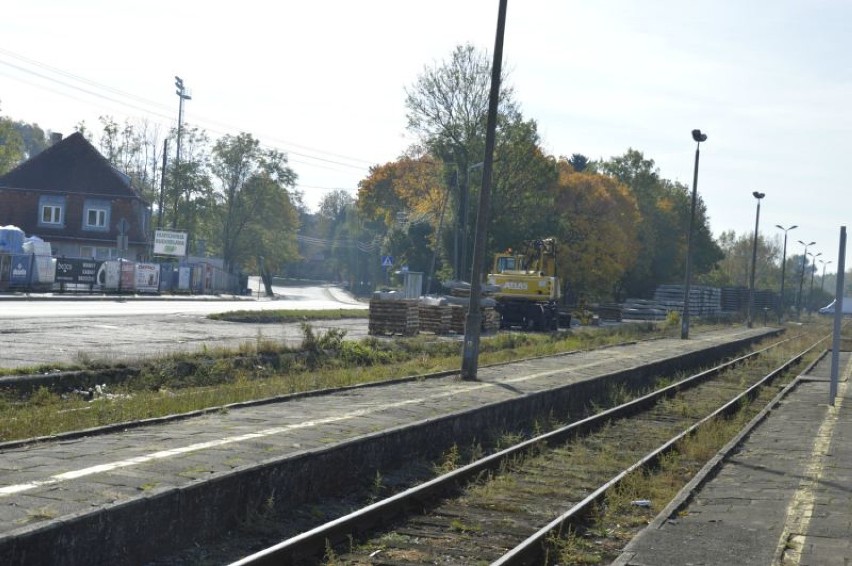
(51, 214)
(98, 252)
(96, 218)
(96, 214)
(51, 211)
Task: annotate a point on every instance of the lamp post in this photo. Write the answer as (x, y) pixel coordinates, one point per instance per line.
(698, 137)
(758, 196)
(813, 270)
(182, 95)
(822, 282)
(802, 279)
(783, 268)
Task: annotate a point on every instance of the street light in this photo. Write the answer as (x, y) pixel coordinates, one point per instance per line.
(783, 268)
(811, 292)
(698, 137)
(822, 284)
(182, 95)
(758, 196)
(802, 279)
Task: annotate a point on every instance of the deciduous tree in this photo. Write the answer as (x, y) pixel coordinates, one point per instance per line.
(597, 226)
(11, 145)
(447, 108)
(664, 208)
(256, 215)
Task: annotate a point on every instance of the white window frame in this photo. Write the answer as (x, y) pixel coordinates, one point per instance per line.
(55, 214)
(100, 217)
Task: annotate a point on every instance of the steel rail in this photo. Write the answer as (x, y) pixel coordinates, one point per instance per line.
(315, 541)
(531, 549)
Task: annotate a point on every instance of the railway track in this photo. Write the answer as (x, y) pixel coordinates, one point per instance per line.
(510, 507)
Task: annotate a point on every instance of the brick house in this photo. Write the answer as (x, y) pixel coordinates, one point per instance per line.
(71, 196)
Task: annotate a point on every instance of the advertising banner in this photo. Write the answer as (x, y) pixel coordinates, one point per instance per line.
(147, 277)
(128, 275)
(21, 268)
(183, 279)
(170, 243)
(78, 271)
(108, 275)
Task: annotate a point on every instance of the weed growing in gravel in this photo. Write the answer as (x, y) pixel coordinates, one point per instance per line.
(40, 514)
(449, 461)
(377, 487)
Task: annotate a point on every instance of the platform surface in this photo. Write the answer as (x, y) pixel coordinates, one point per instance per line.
(782, 498)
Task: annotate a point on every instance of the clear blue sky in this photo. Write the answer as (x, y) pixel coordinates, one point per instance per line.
(324, 81)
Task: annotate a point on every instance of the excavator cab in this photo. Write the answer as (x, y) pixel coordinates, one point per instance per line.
(507, 262)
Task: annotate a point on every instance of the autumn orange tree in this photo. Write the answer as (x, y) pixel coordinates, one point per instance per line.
(664, 208)
(597, 224)
(409, 198)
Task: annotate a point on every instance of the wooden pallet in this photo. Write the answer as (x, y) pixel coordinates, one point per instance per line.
(490, 319)
(394, 317)
(436, 319)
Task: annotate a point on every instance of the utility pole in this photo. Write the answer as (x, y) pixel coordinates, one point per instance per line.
(181, 92)
(470, 352)
(161, 200)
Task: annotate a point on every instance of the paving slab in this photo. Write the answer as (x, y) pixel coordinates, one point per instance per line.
(781, 497)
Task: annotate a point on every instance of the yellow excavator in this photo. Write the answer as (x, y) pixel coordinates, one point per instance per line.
(529, 287)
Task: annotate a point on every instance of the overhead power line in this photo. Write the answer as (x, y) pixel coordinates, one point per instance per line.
(116, 96)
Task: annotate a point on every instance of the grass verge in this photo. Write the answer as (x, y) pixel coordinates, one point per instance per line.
(283, 316)
(181, 383)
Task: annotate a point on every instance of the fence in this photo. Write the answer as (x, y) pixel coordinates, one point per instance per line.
(36, 273)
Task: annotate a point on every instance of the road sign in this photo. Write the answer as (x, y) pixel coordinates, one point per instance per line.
(387, 261)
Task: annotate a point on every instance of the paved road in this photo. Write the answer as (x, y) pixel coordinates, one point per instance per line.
(67, 331)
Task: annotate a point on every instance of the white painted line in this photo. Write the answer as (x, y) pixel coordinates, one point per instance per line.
(461, 387)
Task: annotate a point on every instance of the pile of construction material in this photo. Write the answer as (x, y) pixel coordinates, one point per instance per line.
(457, 320)
(735, 299)
(436, 315)
(392, 314)
(703, 301)
(610, 312)
(643, 309)
(459, 298)
(490, 321)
